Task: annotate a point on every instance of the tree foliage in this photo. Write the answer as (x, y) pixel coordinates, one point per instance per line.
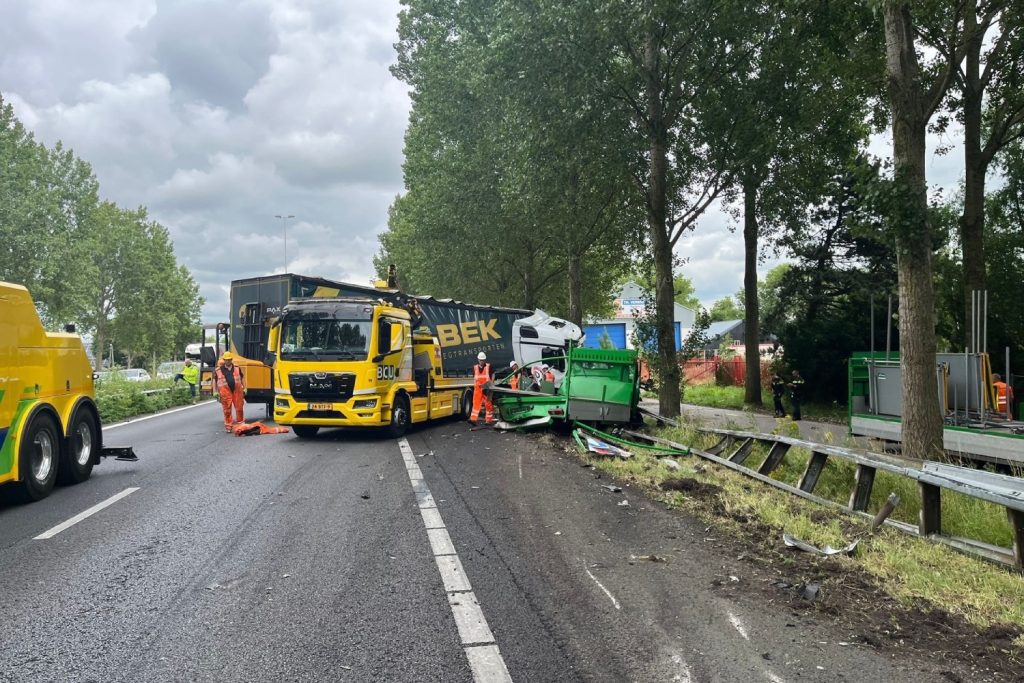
(110, 270)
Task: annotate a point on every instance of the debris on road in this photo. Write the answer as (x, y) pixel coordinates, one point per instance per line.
(612, 487)
(594, 445)
(810, 591)
(633, 559)
(256, 429)
(827, 551)
(423, 455)
(624, 503)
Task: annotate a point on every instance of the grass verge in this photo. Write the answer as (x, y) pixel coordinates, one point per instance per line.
(913, 571)
(119, 399)
(714, 396)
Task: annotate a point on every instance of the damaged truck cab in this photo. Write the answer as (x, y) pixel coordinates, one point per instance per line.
(352, 362)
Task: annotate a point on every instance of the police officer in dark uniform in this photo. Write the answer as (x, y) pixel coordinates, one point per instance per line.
(796, 390)
(778, 390)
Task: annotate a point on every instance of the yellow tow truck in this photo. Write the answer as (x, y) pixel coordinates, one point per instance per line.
(354, 362)
(49, 424)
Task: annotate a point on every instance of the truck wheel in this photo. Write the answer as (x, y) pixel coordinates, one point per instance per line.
(399, 417)
(467, 404)
(305, 431)
(38, 458)
(80, 450)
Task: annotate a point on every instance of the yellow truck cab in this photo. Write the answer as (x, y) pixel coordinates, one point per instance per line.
(49, 423)
(352, 362)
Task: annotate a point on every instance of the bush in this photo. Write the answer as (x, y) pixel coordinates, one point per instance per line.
(120, 400)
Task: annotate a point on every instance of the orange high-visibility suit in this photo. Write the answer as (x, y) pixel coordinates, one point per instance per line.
(231, 397)
(481, 376)
(1004, 394)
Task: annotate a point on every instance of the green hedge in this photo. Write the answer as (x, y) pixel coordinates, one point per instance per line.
(120, 400)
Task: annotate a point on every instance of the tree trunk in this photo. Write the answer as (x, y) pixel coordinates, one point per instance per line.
(972, 222)
(752, 333)
(922, 418)
(575, 287)
(657, 217)
(97, 350)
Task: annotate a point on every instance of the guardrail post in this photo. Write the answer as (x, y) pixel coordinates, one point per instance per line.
(721, 445)
(775, 455)
(1017, 525)
(814, 467)
(930, 520)
(743, 452)
(861, 494)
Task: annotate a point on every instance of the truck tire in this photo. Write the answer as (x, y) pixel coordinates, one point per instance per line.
(305, 431)
(399, 417)
(467, 404)
(38, 457)
(79, 451)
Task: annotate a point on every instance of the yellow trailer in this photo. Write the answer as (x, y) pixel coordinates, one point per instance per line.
(49, 423)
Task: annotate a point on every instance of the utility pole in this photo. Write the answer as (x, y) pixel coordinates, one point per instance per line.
(284, 221)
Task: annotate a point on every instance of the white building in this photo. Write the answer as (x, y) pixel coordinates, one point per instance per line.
(618, 330)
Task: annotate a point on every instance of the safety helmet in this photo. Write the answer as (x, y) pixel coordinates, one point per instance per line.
(227, 356)
(513, 364)
(481, 356)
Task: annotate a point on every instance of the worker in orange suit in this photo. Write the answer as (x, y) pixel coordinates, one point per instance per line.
(1004, 394)
(482, 377)
(231, 388)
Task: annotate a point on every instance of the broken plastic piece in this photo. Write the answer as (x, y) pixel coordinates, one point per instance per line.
(623, 503)
(595, 445)
(810, 591)
(648, 558)
(612, 487)
(827, 551)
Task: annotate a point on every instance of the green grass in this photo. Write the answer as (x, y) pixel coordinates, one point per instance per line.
(908, 568)
(714, 396)
(119, 399)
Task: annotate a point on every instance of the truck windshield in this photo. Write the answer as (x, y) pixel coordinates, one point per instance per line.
(325, 340)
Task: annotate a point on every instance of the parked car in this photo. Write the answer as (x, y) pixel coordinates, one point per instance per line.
(169, 369)
(129, 375)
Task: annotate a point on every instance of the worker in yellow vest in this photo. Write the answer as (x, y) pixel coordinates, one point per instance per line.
(1004, 395)
(190, 373)
(482, 377)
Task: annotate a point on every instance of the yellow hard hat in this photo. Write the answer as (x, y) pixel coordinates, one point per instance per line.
(227, 356)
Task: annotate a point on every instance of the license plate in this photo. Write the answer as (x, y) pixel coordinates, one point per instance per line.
(321, 406)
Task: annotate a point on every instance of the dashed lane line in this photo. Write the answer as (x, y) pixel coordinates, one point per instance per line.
(482, 652)
(599, 585)
(84, 514)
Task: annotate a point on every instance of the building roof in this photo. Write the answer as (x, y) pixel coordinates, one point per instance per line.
(722, 328)
(632, 292)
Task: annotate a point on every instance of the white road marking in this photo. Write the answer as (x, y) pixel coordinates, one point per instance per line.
(150, 417)
(738, 625)
(484, 657)
(50, 533)
(519, 460)
(606, 591)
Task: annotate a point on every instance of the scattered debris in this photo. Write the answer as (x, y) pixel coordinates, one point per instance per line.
(883, 513)
(827, 551)
(734, 579)
(365, 496)
(474, 487)
(558, 533)
(285, 576)
(213, 586)
(595, 445)
(633, 559)
(810, 591)
(256, 429)
(623, 503)
(422, 455)
(612, 487)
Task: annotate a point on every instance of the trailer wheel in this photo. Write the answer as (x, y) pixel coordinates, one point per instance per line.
(80, 449)
(38, 457)
(305, 431)
(399, 417)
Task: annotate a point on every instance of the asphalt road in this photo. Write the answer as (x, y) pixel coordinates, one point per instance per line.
(277, 559)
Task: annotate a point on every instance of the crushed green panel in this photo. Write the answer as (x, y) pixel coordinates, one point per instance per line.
(603, 355)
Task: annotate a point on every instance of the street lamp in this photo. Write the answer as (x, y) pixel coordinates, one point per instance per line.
(284, 221)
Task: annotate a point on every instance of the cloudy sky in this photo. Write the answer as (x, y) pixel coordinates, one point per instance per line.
(219, 114)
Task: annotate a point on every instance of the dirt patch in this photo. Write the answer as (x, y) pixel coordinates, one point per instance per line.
(691, 486)
(847, 595)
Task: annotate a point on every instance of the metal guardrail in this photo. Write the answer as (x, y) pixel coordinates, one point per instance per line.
(932, 478)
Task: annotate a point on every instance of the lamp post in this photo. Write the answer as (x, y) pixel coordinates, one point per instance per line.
(284, 221)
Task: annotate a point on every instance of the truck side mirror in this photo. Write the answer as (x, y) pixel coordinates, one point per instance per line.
(270, 358)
